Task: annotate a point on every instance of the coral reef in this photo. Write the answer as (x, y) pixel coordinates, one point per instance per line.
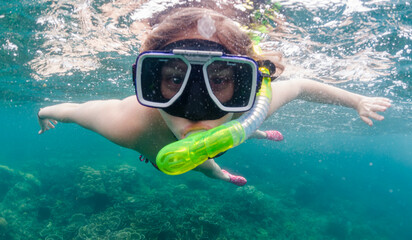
(119, 202)
(3, 228)
(19, 203)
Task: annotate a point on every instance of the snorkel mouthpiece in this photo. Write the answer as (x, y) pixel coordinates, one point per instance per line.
(188, 153)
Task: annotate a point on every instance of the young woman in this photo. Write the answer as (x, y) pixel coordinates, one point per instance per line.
(181, 91)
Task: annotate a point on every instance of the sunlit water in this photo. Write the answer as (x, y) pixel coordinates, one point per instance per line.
(333, 177)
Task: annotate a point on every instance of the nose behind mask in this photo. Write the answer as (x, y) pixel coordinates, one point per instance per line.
(195, 104)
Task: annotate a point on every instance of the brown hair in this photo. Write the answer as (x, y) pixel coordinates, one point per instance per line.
(184, 21)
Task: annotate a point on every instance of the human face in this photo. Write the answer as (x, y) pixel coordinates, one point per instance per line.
(196, 79)
(182, 127)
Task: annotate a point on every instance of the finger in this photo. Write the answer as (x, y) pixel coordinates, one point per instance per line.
(50, 125)
(375, 116)
(367, 120)
(385, 99)
(378, 108)
(54, 121)
(41, 131)
(384, 102)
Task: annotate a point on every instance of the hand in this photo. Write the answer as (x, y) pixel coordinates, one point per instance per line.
(368, 106)
(45, 123)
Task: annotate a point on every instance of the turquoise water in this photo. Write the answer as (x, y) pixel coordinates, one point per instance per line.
(333, 177)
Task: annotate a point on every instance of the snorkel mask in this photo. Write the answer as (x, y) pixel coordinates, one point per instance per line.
(241, 72)
(188, 80)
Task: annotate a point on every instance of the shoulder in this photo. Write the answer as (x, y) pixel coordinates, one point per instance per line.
(285, 90)
(130, 110)
(128, 123)
(135, 117)
(282, 93)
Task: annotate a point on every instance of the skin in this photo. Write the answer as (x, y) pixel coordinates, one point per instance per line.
(146, 130)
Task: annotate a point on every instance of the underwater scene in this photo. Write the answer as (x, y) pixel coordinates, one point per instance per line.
(332, 177)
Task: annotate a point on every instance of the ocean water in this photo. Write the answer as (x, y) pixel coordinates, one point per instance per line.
(333, 177)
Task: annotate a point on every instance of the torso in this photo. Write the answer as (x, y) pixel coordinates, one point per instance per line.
(146, 132)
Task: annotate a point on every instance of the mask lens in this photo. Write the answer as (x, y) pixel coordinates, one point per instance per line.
(173, 74)
(162, 78)
(231, 82)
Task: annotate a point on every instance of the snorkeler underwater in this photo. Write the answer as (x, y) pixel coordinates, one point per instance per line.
(258, 119)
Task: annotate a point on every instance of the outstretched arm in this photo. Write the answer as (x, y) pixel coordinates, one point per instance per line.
(286, 91)
(65, 112)
(121, 121)
(89, 114)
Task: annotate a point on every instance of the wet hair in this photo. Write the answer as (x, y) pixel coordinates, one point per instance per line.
(182, 22)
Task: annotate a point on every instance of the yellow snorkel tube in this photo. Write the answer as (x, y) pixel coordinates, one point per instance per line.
(188, 153)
